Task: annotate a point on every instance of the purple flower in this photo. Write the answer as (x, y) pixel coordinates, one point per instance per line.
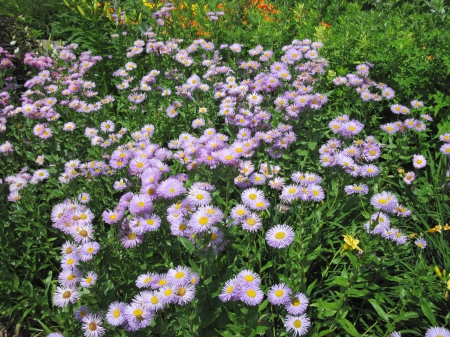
(421, 243)
(280, 236)
(279, 294)
(298, 304)
(297, 324)
(419, 161)
(251, 295)
(385, 201)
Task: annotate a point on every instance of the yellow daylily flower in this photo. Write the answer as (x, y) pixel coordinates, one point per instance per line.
(351, 242)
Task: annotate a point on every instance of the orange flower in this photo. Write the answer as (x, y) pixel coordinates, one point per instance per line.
(326, 25)
(438, 228)
(429, 58)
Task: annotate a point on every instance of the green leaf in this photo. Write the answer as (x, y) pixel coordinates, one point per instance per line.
(187, 244)
(426, 308)
(349, 327)
(341, 281)
(268, 265)
(379, 310)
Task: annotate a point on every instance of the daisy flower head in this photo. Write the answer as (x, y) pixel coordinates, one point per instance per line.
(297, 304)
(297, 324)
(179, 276)
(279, 294)
(184, 294)
(445, 149)
(356, 189)
(153, 300)
(419, 161)
(437, 332)
(251, 295)
(198, 196)
(388, 93)
(229, 290)
(91, 326)
(170, 188)
(247, 277)
(65, 295)
(240, 212)
(116, 313)
(421, 243)
(384, 201)
(251, 196)
(409, 177)
(200, 221)
(107, 126)
(81, 312)
(89, 280)
(280, 236)
(137, 316)
(396, 334)
(55, 334)
(416, 104)
(70, 126)
(252, 222)
(316, 193)
(84, 198)
(445, 137)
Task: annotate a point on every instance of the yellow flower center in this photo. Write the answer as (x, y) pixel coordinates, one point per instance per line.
(251, 293)
(252, 196)
(116, 313)
(154, 300)
(66, 294)
(203, 220)
(280, 235)
(297, 324)
(179, 275)
(279, 293)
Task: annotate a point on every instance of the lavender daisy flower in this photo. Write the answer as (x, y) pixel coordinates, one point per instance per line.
(409, 177)
(81, 312)
(91, 326)
(153, 300)
(416, 104)
(279, 294)
(421, 243)
(89, 280)
(248, 278)
(297, 324)
(419, 161)
(137, 316)
(298, 304)
(356, 189)
(388, 93)
(369, 170)
(65, 295)
(229, 290)
(396, 334)
(252, 222)
(184, 294)
(251, 295)
(445, 149)
(55, 334)
(385, 201)
(170, 188)
(116, 313)
(179, 276)
(145, 280)
(437, 332)
(280, 236)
